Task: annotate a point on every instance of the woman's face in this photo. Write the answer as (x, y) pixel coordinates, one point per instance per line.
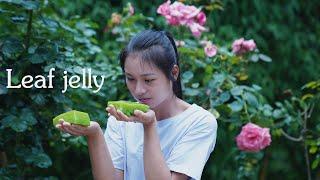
(146, 82)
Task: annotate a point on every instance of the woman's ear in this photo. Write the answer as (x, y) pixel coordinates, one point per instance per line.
(175, 72)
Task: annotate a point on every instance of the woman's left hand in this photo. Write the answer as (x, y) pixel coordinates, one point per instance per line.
(147, 118)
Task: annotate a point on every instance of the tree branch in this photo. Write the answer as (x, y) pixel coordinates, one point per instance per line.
(28, 36)
(299, 139)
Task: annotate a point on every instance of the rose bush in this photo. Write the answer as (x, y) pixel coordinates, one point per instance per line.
(36, 36)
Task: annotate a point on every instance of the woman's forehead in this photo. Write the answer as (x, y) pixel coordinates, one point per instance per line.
(136, 66)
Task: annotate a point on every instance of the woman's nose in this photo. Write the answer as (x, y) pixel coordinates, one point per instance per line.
(140, 89)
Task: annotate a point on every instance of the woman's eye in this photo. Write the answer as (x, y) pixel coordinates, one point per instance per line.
(149, 80)
(130, 79)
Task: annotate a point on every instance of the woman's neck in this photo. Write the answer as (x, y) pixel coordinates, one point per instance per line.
(170, 107)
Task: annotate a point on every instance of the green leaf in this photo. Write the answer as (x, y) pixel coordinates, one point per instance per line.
(200, 64)
(313, 149)
(265, 58)
(18, 125)
(224, 97)
(19, 19)
(89, 32)
(256, 87)
(267, 112)
(311, 85)
(254, 58)
(28, 116)
(315, 163)
(277, 114)
(251, 99)
(12, 47)
(264, 122)
(30, 5)
(236, 91)
(214, 112)
(195, 85)
(26, 4)
(288, 120)
(191, 92)
(307, 96)
(279, 104)
(78, 69)
(236, 106)
(3, 89)
(217, 81)
(50, 23)
(44, 53)
(22, 151)
(42, 160)
(224, 110)
(187, 76)
(38, 99)
(35, 157)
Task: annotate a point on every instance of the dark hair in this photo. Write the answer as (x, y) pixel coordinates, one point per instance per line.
(157, 48)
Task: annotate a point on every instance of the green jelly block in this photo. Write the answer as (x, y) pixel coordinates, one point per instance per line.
(128, 107)
(73, 117)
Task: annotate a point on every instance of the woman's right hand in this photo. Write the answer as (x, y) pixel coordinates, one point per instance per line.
(78, 130)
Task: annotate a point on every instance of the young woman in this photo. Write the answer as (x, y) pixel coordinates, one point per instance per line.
(173, 140)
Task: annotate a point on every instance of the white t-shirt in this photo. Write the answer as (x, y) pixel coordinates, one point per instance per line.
(186, 141)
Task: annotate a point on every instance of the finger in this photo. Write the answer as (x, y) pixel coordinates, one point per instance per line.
(64, 129)
(64, 123)
(123, 116)
(134, 119)
(113, 112)
(138, 113)
(150, 114)
(71, 131)
(112, 108)
(78, 127)
(61, 121)
(78, 131)
(108, 109)
(65, 126)
(145, 117)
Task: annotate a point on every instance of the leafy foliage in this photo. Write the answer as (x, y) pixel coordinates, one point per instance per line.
(39, 35)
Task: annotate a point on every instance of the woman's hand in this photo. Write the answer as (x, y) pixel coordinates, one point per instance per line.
(78, 130)
(148, 118)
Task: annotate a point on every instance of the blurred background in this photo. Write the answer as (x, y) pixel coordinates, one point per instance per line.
(279, 90)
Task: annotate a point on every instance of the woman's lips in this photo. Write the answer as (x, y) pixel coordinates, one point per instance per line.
(145, 100)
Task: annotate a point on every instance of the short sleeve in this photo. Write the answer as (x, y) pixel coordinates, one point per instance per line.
(114, 141)
(192, 151)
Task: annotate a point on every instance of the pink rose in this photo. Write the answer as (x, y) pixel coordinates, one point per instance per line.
(180, 14)
(240, 46)
(176, 9)
(249, 45)
(190, 11)
(164, 9)
(196, 29)
(253, 138)
(201, 18)
(210, 49)
(174, 21)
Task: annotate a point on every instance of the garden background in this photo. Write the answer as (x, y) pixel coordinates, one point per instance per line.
(275, 86)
